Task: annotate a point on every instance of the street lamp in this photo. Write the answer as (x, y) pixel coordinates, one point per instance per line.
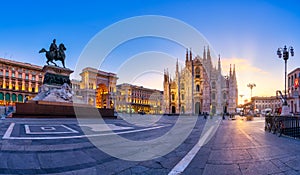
(251, 86)
(241, 97)
(284, 52)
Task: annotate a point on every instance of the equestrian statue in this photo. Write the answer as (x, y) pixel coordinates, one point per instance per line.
(55, 53)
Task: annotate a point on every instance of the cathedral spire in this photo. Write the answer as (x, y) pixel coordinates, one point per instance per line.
(177, 66)
(233, 74)
(230, 71)
(187, 55)
(219, 64)
(208, 54)
(209, 57)
(166, 75)
(191, 57)
(204, 54)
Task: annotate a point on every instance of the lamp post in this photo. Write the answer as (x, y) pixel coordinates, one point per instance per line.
(241, 97)
(251, 86)
(284, 52)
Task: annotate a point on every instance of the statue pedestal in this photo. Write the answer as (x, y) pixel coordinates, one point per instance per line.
(56, 76)
(285, 110)
(56, 85)
(47, 109)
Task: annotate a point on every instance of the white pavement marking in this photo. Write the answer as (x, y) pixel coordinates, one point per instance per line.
(102, 127)
(48, 128)
(9, 131)
(70, 130)
(181, 166)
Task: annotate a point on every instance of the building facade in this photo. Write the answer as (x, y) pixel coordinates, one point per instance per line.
(134, 99)
(200, 87)
(96, 88)
(18, 80)
(294, 91)
(261, 103)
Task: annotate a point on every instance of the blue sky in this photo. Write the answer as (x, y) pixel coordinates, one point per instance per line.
(247, 33)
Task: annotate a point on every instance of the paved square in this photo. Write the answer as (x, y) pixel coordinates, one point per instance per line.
(237, 147)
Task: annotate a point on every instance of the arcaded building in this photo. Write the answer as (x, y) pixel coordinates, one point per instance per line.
(96, 88)
(200, 87)
(18, 80)
(261, 103)
(133, 99)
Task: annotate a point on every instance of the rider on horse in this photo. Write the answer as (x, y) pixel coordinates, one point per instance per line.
(53, 49)
(55, 53)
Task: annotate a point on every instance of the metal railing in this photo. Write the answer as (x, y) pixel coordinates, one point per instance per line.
(286, 125)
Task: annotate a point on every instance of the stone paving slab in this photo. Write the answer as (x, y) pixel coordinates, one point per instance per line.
(261, 167)
(231, 169)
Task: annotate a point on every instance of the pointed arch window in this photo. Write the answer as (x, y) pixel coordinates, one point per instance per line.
(182, 86)
(213, 96)
(197, 88)
(197, 72)
(213, 85)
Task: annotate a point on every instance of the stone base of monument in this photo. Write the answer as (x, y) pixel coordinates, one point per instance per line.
(285, 110)
(46, 109)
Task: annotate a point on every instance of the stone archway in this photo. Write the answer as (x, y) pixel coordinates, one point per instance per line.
(20, 98)
(1, 96)
(182, 110)
(213, 109)
(7, 97)
(102, 96)
(197, 108)
(173, 109)
(14, 97)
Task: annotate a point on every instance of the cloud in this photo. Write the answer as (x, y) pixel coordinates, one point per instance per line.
(266, 81)
(241, 65)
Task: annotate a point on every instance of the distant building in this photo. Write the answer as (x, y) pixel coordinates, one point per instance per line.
(96, 88)
(294, 91)
(18, 81)
(134, 99)
(261, 103)
(200, 87)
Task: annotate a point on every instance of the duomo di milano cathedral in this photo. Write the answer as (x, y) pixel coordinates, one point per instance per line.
(200, 87)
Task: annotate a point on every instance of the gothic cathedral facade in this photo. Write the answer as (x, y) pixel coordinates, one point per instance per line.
(200, 87)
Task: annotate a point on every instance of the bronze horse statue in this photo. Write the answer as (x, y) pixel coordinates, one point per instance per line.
(58, 55)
